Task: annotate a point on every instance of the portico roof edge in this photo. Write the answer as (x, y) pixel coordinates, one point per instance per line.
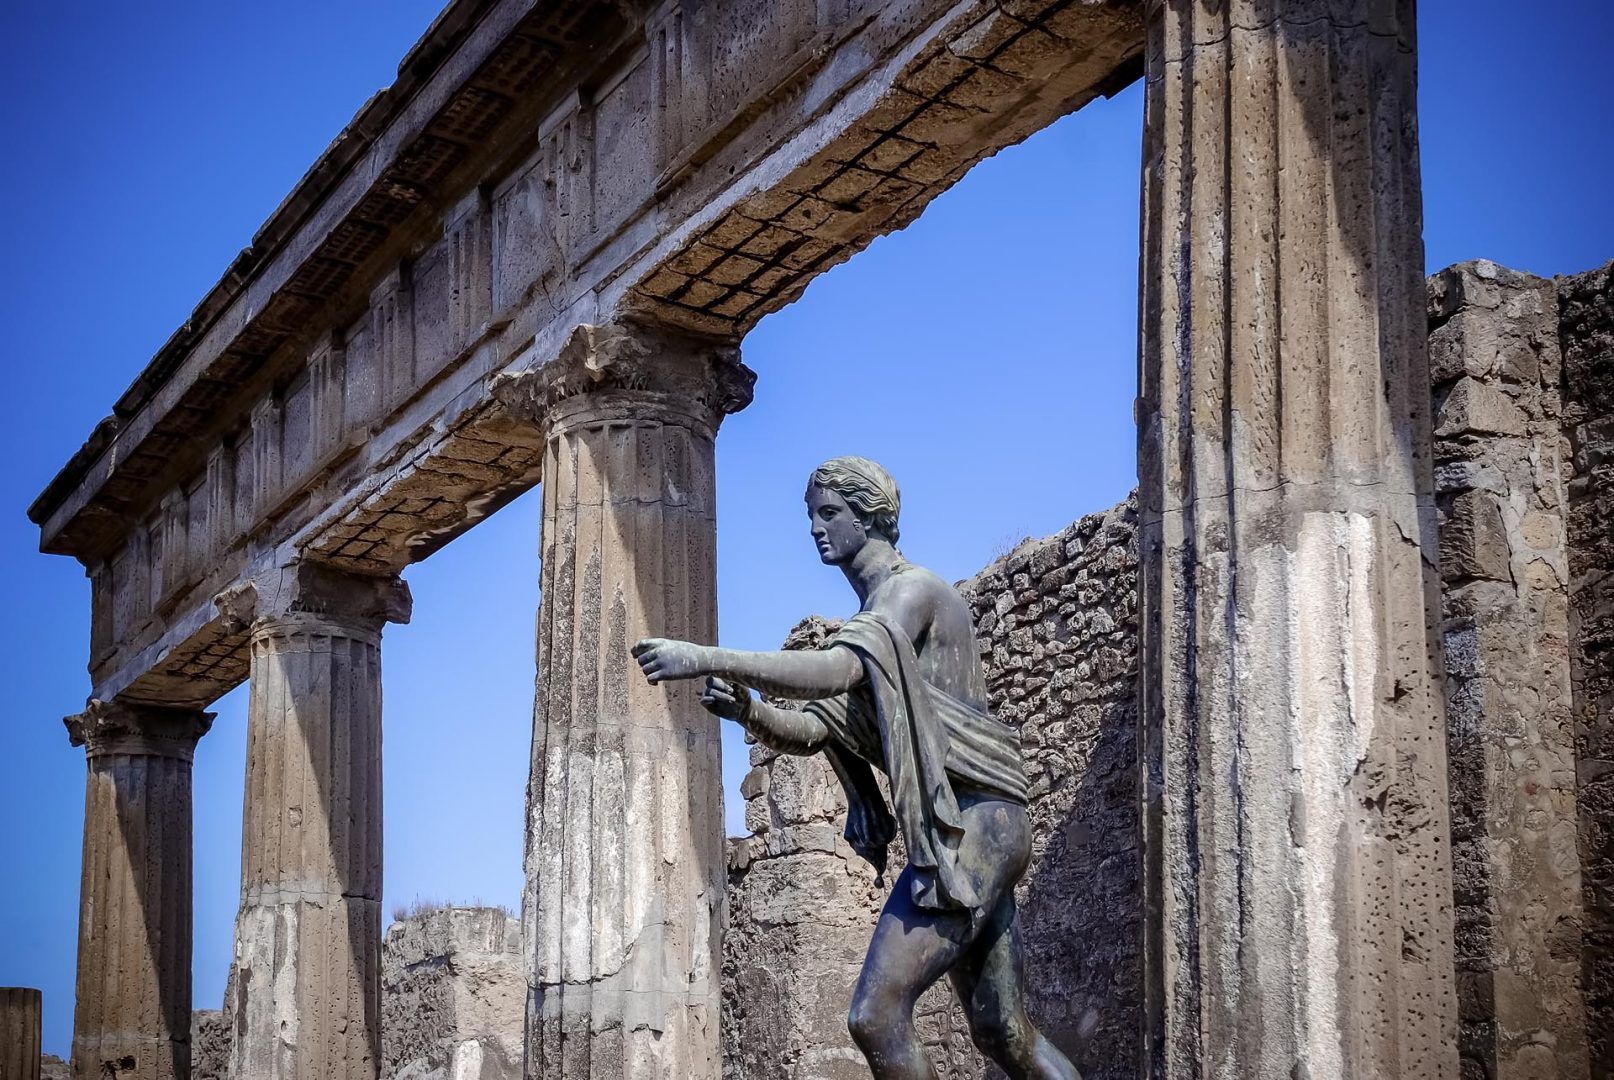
(333, 165)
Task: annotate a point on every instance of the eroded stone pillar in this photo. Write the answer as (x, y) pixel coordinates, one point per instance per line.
(1298, 863)
(19, 1033)
(132, 1019)
(1504, 561)
(625, 844)
(308, 937)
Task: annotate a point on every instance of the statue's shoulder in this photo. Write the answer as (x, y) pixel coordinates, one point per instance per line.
(916, 581)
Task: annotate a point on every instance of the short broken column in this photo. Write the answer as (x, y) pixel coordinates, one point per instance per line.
(132, 1019)
(625, 842)
(19, 1033)
(1298, 863)
(308, 937)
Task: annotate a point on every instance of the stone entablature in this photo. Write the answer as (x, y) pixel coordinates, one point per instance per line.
(532, 170)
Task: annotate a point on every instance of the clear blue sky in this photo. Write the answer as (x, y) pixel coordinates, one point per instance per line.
(145, 143)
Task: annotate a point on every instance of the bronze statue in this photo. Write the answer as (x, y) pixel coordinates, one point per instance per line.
(900, 688)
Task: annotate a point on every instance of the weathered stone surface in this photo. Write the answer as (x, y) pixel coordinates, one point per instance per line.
(1298, 866)
(132, 1018)
(453, 996)
(624, 848)
(1504, 563)
(1586, 327)
(211, 1038)
(54, 1068)
(20, 1017)
(306, 978)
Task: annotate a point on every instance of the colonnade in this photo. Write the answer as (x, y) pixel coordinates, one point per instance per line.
(1297, 872)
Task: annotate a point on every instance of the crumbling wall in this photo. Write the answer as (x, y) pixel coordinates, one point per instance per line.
(210, 1044)
(1586, 329)
(453, 996)
(1496, 369)
(1056, 621)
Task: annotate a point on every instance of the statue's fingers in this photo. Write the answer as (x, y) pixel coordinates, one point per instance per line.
(642, 645)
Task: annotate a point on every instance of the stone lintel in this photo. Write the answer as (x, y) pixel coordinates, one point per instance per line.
(310, 593)
(138, 728)
(637, 369)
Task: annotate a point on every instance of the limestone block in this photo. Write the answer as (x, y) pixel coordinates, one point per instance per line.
(1477, 408)
(1474, 539)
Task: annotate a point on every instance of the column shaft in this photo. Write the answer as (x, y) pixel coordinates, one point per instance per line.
(1297, 856)
(19, 1033)
(308, 937)
(133, 1013)
(625, 847)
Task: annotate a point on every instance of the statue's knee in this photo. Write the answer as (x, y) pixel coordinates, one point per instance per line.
(868, 1020)
(1003, 1038)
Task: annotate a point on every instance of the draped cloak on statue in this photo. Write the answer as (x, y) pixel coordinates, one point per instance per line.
(923, 739)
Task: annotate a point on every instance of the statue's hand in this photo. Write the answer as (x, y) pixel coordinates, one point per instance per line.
(662, 659)
(729, 700)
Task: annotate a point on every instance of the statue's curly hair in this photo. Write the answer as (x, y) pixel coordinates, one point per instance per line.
(867, 488)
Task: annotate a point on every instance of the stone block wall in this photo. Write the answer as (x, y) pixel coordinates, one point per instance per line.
(1056, 624)
(1586, 335)
(453, 995)
(1504, 568)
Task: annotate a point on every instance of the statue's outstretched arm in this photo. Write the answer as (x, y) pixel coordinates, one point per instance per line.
(784, 730)
(801, 676)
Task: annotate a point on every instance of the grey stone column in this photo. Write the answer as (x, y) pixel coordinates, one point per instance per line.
(308, 937)
(19, 1033)
(1297, 845)
(625, 843)
(133, 1013)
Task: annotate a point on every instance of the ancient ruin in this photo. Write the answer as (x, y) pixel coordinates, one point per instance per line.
(533, 260)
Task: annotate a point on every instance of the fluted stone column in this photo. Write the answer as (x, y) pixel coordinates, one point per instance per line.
(1298, 862)
(625, 841)
(133, 1014)
(19, 1033)
(308, 937)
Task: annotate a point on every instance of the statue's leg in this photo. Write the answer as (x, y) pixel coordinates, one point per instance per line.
(911, 949)
(990, 983)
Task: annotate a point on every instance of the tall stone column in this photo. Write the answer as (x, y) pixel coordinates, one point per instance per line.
(133, 1014)
(625, 842)
(1297, 847)
(19, 1033)
(308, 937)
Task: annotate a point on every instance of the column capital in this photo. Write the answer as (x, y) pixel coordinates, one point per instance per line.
(137, 728)
(316, 597)
(630, 371)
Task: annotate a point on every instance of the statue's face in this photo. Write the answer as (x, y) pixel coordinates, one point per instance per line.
(837, 530)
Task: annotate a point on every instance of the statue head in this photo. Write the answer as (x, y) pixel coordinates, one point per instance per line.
(850, 501)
